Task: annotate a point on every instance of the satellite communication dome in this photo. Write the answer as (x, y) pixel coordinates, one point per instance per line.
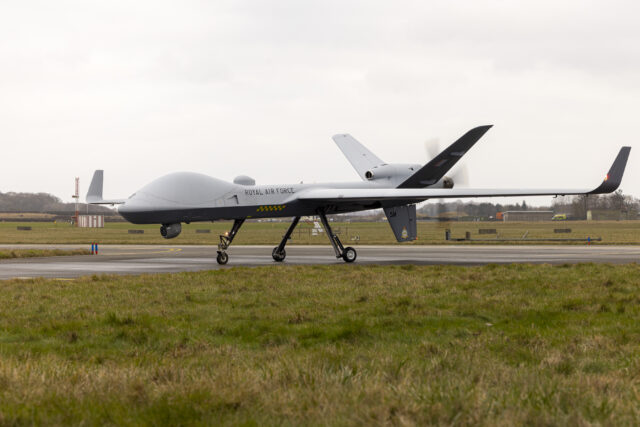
(244, 180)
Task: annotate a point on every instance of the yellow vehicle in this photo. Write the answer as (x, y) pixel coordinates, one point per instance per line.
(559, 217)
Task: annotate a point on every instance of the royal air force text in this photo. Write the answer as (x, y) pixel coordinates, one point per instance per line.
(268, 191)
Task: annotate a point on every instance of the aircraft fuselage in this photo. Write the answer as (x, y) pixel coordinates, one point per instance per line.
(191, 197)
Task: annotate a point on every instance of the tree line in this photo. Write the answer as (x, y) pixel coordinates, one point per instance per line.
(608, 206)
(42, 203)
(617, 205)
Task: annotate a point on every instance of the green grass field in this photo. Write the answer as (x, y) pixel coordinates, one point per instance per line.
(320, 345)
(252, 233)
(32, 253)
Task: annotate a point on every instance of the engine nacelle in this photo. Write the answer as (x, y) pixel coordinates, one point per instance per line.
(397, 173)
(391, 172)
(169, 231)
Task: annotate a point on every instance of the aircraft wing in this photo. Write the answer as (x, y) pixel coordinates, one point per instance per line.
(358, 155)
(408, 195)
(107, 202)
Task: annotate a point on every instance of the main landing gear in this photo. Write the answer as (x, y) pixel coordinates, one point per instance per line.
(348, 254)
(279, 254)
(225, 241)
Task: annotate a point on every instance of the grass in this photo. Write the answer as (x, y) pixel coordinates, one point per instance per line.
(612, 232)
(325, 345)
(31, 253)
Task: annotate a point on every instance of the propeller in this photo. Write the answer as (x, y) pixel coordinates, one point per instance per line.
(432, 147)
(459, 174)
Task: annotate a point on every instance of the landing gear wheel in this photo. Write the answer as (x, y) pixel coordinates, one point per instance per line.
(222, 258)
(349, 254)
(278, 256)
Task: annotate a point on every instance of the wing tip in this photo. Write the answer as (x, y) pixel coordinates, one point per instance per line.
(482, 129)
(613, 179)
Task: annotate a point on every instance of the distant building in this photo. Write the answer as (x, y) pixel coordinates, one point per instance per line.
(527, 216)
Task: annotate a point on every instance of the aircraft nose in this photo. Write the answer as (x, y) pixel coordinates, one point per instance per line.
(130, 209)
(125, 207)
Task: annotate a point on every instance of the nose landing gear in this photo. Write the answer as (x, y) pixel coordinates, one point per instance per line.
(225, 242)
(222, 258)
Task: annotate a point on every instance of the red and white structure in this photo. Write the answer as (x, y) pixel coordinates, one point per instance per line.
(77, 197)
(91, 221)
(85, 221)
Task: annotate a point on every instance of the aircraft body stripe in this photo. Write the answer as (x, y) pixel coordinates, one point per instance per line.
(270, 208)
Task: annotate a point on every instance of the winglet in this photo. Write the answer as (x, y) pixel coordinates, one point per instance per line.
(613, 179)
(94, 195)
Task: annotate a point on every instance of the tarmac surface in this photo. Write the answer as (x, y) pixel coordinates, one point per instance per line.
(130, 259)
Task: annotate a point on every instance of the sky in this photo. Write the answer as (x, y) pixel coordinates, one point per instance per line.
(141, 89)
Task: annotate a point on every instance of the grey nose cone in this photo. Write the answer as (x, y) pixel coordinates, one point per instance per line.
(128, 210)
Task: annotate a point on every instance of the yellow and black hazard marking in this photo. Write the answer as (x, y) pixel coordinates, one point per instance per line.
(270, 208)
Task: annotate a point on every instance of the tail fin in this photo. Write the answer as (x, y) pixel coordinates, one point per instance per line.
(94, 195)
(433, 171)
(358, 155)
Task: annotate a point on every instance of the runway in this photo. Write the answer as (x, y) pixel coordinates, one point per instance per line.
(129, 259)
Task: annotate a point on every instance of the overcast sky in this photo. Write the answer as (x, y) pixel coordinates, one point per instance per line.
(144, 88)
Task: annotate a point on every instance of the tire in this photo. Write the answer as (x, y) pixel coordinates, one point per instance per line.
(222, 258)
(349, 254)
(278, 256)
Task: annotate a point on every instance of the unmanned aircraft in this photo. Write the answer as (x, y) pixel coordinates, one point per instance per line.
(396, 188)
